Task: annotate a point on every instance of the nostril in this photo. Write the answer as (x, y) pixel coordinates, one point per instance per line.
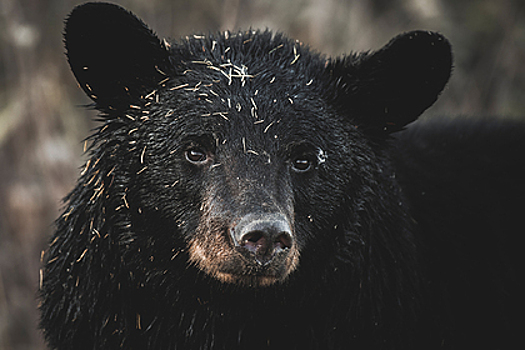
(283, 241)
(254, 240)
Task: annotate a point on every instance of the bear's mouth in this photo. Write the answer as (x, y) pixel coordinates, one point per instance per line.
(234, 265)
(256, 251)
(246, 270)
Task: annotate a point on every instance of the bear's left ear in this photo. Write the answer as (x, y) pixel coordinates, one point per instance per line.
(385, 90)
(115, 57)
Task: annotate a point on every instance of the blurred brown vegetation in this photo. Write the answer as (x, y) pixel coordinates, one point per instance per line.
(42, 121)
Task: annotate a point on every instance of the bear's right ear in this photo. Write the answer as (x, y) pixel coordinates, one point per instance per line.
(114, 56)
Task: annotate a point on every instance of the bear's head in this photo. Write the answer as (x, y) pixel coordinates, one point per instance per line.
(244, 154)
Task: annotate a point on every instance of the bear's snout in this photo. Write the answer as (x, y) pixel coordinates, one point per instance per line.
(263, 235)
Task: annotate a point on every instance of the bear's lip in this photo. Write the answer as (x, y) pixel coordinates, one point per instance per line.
(253, 259)
(244, 269)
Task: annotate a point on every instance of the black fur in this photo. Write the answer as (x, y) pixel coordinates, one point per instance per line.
(399, 241)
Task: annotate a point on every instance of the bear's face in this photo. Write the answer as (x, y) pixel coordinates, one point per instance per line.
(244, 165)
(250, 149)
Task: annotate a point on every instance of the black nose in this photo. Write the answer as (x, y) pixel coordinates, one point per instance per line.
(265, 235)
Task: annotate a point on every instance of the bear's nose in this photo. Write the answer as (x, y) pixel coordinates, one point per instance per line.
(264, 235)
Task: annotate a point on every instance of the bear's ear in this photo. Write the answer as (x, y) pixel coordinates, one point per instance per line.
(114, 56)
(385, 90)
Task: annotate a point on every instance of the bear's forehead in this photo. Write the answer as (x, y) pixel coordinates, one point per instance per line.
(246, 65)
(248, 83)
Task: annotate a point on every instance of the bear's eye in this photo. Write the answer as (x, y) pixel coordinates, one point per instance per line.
(196, 156)
(301, 165)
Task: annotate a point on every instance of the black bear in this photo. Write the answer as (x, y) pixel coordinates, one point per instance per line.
(244, 192)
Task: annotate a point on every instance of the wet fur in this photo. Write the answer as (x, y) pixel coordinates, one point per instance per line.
(383, 255)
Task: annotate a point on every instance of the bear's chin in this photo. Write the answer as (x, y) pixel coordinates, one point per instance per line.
(247, 280)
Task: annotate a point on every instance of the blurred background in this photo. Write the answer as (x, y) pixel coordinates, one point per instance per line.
(43, 123)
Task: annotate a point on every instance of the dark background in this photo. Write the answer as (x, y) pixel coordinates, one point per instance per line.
(42, 122)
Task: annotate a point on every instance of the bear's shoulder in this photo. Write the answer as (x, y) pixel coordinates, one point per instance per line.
(466, 146)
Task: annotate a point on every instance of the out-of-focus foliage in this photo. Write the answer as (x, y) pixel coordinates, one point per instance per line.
(42, 120)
